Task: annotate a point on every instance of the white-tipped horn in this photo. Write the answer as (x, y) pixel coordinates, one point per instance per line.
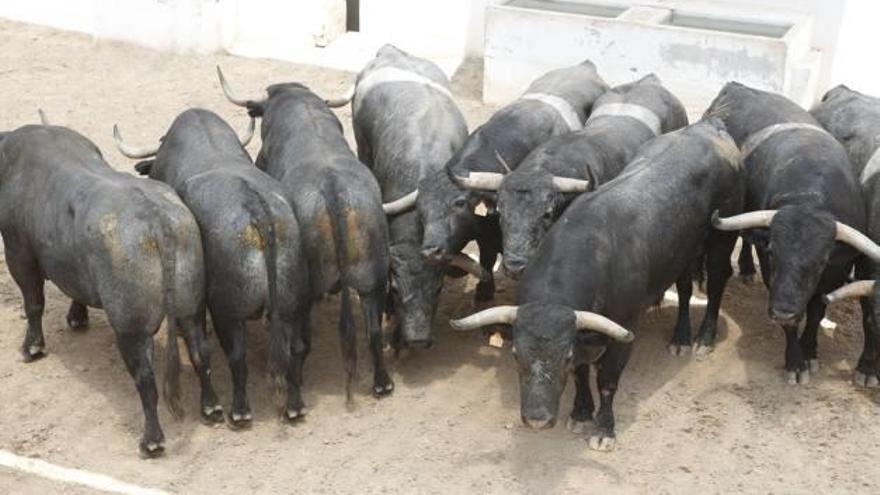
(43, 119)
(245, 139)
(503, 315)
(227, 91)
(585, 320)
(858, 240)
(401, 205)
(860, 288)
(132, 151)
(344, 100)
(743, 221)
(483, 181)
(470, 265)
(568, 185)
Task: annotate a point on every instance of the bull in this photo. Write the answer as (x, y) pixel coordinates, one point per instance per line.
(106, 240)
(854, 119)
(253, 260)
(338, 205)
(802, 198)
(407, 126)
(607, 259)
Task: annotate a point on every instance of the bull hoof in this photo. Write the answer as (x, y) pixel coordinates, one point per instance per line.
(240, 421)
(292, 416)
(212, 414)
(577, 426)
(152, 450)
(382, 390)
(797, 377)
(78, 325)
(679, 349)
(703, 349)
(747, 278)
(33, 353)
(863, 380)
(813, 365)
(601, 442)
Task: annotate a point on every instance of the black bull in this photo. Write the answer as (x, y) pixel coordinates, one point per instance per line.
(612, 256)
(254, 264)
(107, 240)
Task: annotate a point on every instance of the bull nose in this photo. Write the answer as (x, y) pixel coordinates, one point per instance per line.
(539, 423)
(419, 343)
(514, 266)
(783, 317)
(434, 253)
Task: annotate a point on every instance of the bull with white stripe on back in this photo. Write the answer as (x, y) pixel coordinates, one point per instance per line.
(854, 119)
(534, 195)
(802, 196)
(556, 103)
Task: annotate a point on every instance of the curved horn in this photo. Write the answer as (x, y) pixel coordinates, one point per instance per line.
(132, 151)
(401, 205)
(585, 320)
(568, 185)
(502, 161)
(245, 139)
(860, 288)
(743, 221)
(470, 265)
(344, 100)
(860, 241)
(43, 118)
(242, 102)
(484, 181)
(505, 315)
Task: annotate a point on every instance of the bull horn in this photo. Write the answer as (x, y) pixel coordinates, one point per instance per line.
(568, 185)
(484, 181)
(860, 288)
(227, 91)
(504, 315)
(470, 265)
(502, 161)
(248, 135)
(858, 240)
(585, 320)
(743, 221)
(344, 100)
(43, 118)
(132, 151)
(401, 205)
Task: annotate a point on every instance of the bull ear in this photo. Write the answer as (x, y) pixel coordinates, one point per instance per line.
(144, 167)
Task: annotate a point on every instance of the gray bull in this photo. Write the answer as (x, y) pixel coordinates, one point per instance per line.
(339, 207)
(253, 260)
(854, 119)
(407, 127)
(107, 240)
(531, 197)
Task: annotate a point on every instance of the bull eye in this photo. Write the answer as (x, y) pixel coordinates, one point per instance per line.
(459, 203)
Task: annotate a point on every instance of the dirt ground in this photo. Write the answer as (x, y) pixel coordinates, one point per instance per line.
(720, 424)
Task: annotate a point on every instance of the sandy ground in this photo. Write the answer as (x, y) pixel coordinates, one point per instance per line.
(724, 423)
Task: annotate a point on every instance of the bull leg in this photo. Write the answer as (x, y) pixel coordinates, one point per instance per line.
(746, 262)
(232, 336)
(611, 366)
(25, 270)
(371, 303)
(718, 272)
(809, 343)
(489, 243)
(300, 346)
(582, 412)
(795, 366)
(77, 316)
(681, 337)
(136, 347)
(867, 372)
(200, 356)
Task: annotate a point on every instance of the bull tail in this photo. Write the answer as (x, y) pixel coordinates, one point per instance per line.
(168, 255)
(279, 339)
(347, 334)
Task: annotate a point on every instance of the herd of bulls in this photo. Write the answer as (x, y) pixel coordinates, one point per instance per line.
(599, 199)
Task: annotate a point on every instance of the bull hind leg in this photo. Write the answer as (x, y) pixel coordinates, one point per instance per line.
(193, 328)
(610, 367)
(681, 337)
(136, 347)
(77, 316)
(718, 272)
(746, 262)
(232, 336)
(489, 244)
(582, 411)
(25, 270)
(300, 346)
(371, 304)
(867, 370)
